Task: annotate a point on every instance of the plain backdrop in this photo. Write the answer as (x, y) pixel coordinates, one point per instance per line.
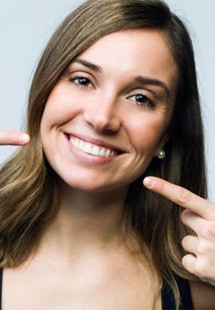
(25, 27)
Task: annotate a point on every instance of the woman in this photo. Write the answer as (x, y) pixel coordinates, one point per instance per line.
(114, 99)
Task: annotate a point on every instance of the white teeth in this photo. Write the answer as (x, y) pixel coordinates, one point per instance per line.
(107, 153)
(91, 148)
(102, 152)
(87, 148)
(95, 151)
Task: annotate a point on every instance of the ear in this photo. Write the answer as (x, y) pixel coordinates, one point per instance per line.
(164, 139)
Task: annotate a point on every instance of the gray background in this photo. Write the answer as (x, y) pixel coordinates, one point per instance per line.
(25, 27)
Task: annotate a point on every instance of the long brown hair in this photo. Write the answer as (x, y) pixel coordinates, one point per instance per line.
(27, 182)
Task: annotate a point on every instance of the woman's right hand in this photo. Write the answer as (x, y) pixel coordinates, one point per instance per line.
(9, 137)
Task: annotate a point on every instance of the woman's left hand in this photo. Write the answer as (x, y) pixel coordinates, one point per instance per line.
(199, 215)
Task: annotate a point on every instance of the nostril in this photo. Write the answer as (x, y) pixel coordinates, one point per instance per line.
(103, 117)
(104, 125)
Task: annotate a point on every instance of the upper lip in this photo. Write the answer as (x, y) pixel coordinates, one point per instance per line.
(97, 142)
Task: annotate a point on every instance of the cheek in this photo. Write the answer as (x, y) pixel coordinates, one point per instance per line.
(147, 134)
(54, 115)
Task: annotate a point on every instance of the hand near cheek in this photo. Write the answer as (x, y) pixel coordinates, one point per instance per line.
(199, 215)
(13, 138)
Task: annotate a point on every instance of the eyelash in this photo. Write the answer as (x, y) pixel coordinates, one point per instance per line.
(78, 78)
(147, 102)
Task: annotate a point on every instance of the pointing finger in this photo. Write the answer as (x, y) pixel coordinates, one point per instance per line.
(8, 137)
(181, 197)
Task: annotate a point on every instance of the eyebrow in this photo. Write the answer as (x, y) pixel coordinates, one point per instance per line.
(88, 64)
(138, 79)
(151, 81)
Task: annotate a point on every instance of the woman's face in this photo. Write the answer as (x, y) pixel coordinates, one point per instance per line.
(106, 118)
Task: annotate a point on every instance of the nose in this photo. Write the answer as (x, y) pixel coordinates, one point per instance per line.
(102, 113)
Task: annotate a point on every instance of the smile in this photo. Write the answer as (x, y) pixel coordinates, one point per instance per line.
(92, 149)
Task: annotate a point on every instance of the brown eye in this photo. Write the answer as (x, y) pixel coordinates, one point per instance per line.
(81, 81)
(142, 100)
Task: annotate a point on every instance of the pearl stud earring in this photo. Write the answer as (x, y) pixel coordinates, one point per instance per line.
(161, 154)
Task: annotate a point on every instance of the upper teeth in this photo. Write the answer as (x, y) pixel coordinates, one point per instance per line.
(91, 148)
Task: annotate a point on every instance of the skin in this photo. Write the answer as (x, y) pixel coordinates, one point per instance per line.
(199, 215)
(9, 137)
(138, 130)
(87, 230)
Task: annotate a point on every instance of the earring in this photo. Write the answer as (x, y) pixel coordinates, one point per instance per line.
(161, 154)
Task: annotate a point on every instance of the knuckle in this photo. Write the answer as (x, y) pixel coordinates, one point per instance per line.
(6, 137)
(203, 248)
(208, 231)
(199, 269)
(185, 214)
(202, 269)
(183, 197)
(10, 137)
(184, 241)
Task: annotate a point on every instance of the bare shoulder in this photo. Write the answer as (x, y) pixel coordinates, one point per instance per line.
(203, 295)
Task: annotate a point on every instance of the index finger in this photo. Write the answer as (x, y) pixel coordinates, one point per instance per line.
(181, 197)
(9, 137)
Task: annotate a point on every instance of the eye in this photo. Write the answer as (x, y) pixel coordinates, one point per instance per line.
(81, 81)
(142, 100)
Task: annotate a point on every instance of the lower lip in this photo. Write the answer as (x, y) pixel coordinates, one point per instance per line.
(88, 158)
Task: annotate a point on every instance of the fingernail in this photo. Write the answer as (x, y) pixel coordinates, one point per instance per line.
(24, 138)
(148, 181)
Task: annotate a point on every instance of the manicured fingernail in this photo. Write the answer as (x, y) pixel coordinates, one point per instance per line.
(24, 138)
(148, 181)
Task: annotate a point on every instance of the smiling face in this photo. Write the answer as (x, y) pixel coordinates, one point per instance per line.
(106, 118)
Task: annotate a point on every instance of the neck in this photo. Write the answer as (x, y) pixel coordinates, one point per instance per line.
(87, 221)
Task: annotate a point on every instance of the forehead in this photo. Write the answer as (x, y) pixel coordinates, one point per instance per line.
(135, 52)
